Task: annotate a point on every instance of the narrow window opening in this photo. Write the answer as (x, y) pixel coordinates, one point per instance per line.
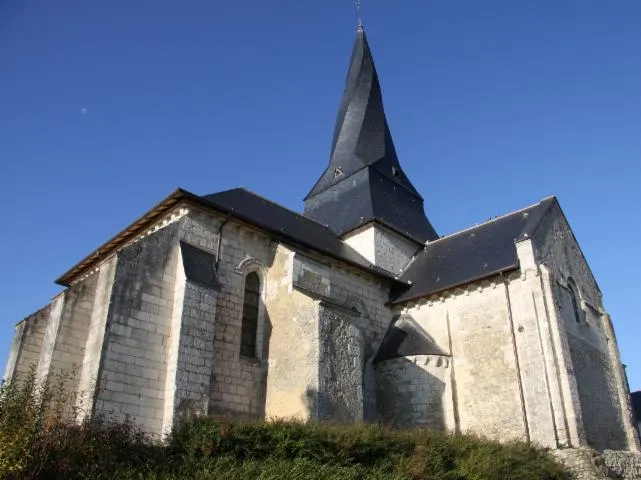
(250, 316)
(575, 302)
(337, 172)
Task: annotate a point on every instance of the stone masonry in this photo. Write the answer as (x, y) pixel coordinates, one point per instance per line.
(228, 304)
(152, 339)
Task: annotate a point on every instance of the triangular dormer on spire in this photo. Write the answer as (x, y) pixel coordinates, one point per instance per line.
(364, 181)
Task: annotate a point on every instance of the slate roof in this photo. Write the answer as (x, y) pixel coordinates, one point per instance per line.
(199, 265)
(242, 203)
(245, 205)
(364, 180)
(471, 254)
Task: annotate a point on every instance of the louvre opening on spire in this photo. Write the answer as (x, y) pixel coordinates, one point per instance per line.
(364, 180)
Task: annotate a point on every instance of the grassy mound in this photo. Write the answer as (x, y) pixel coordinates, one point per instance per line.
(39, 439)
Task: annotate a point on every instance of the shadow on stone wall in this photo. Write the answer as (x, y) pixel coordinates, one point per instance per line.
(331, 411)
(263, 370)
(139, 268)
(409, 394)
(410, 376)
(406, 337)
(602, 418)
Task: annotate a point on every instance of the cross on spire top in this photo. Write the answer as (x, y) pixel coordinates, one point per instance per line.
(358, 14)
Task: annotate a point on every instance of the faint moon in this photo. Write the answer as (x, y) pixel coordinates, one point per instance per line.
(83, 110)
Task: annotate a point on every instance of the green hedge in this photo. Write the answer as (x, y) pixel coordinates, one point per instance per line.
(41, 438)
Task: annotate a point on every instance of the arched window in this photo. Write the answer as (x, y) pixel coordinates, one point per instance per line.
(250, 315)
(575, 300)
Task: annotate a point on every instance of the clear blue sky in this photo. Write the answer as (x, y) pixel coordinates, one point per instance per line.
(108, 106)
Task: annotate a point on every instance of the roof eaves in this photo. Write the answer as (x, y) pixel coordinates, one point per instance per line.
(123, 236)
(131, 231)
(505, 269)
(295, 241)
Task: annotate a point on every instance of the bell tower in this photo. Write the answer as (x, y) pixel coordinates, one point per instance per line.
(363, 195)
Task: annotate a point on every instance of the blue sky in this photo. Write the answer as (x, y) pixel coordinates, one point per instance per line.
(108, 106)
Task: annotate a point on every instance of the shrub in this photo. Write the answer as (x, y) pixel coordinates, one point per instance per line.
(41, 437)
(407, 454)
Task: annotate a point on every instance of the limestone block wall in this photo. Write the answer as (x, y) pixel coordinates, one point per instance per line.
(542, 403)
(66, 343)
(596, 382)
(520, 367)
(486, 368)
(190, 350)
(383, 247)
(415, 391)
(599, 391)
(48, 341)
(153, 344)
(237, 383)
(293, 342)
(149, 348)
(475, 326)
(91, 361)
(26, 345)
(318, 307)
(133, 367)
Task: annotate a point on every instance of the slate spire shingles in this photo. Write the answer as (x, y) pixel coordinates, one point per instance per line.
(364, 180)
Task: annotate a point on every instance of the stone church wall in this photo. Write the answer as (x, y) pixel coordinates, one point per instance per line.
(393, 252)
(289, 323)
(537, 368)
(415, 391)
(49, 339)
(237, 383)
(26, 345)
(133, 367)
(293, 340)
(92, 360)
(340, 366)
(498, 374)
(335, 309)
(383, 247)
(190, 349)
(600, 390)
(68, 341)
(367, 295)
(151, 334)
(485, 363)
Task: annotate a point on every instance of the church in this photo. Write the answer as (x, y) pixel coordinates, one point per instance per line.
(356, 310)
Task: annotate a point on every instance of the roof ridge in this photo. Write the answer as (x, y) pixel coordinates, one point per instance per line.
(487, 222)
